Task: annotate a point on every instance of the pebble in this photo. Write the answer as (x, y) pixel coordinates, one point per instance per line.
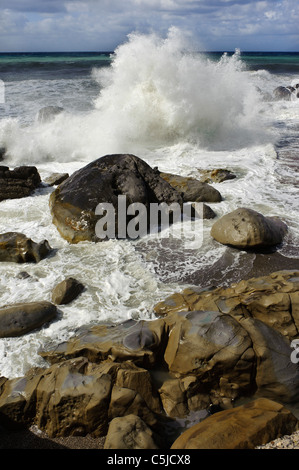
(285, 442)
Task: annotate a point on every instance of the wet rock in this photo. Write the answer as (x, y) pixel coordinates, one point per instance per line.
(282, 93)
(48, 113)
(17, 248)
(129, 432)
(173, 397)
(20, 318)
(74, 202)
(277, 377)
(66, 291)
(18, 183)
(243, 427)
(125, 401)
(208, 212)
(272, 299)
(247, 229)
(72, 398)
(216, 176)
(56, 179)
(192, 189)
(142, 342)
(139, 379)
(214, 348)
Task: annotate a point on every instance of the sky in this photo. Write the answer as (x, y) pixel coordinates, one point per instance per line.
(101, 25)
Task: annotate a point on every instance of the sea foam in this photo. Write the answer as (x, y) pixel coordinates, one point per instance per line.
(156, 92)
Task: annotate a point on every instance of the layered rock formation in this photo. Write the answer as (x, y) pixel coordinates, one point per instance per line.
(208, 348)
(19, 182)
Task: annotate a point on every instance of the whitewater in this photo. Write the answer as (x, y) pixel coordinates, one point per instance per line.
(177, 109)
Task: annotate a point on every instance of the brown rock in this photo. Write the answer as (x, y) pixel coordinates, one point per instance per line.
(266, 309)
(18, 319)
(272, 299)
(192, 189)
(142, 342)
(125, 401)
(215, 349)
(73, 400)
(173, 397)
(17, 248)
(277, 377)
(56, 178)
(17, 400)
(138, 379)
(243, 427)
(66, 291)
(129, 432)
(216, 176)
(247, 229)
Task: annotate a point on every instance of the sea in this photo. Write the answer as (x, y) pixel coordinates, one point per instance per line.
(178, 108)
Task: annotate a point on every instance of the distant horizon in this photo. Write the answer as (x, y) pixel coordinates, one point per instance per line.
(111, 51)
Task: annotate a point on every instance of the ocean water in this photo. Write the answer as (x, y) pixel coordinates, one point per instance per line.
(176, 108)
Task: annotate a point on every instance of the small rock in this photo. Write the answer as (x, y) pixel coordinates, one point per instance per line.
(56, 179)
(16, 247)
(66, 291)
(129, 432)
(216, 176)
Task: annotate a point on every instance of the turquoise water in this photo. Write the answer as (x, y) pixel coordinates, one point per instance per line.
(14, 66)
(275, 62)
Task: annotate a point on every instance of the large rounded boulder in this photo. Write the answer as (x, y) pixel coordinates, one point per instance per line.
(247, 229)
(74, 202)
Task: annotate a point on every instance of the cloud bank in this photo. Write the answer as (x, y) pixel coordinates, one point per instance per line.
(94, 25)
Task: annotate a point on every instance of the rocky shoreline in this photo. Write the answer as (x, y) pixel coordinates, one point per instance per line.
(135, 385)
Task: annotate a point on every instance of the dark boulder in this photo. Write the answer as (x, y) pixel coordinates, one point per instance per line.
(73, 204)
(17, 183)
(20, 318)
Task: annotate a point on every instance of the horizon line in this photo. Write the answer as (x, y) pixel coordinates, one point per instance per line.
(112, 51)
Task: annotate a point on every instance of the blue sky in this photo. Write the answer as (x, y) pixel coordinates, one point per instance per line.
(94, 25)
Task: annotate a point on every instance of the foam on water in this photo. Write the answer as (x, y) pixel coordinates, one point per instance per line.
(175, 109)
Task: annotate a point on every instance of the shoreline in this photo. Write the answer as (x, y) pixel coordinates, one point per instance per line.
(33, 438)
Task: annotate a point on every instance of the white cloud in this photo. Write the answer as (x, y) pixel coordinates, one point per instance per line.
(102, 24)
